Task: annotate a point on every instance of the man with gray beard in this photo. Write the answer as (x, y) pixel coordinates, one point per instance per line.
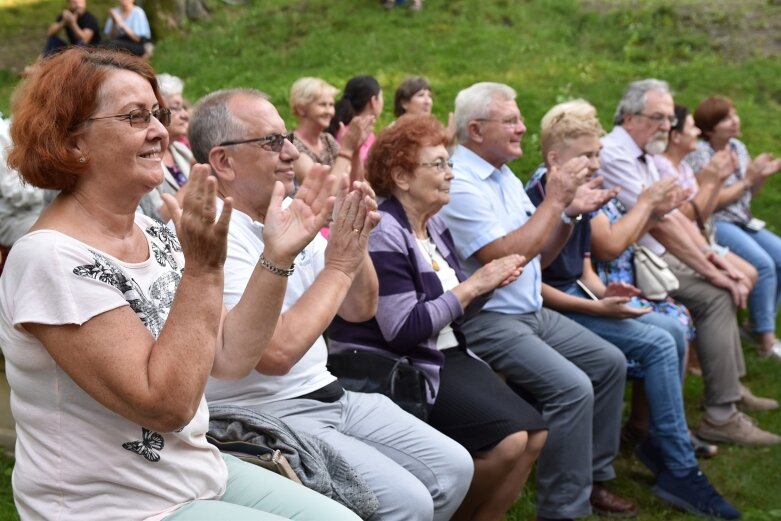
(708, 287)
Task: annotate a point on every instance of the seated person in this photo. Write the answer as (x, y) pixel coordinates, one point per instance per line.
(413, 97)
(570, 286)
(128, 28)
(312, 102)
(709, 288)
(20, 203)
(81, 28)
(116, 428)
(362, 96)
(424, 298)
(576, 376)
(415, 471)
(736, 228)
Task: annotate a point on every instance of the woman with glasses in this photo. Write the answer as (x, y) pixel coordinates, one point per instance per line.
(107, 392)
(736, 228)
(177, 158)
(424, 297)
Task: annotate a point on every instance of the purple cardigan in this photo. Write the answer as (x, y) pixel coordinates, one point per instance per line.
(412, 308)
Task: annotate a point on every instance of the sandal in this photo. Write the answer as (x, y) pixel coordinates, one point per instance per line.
(703, 449)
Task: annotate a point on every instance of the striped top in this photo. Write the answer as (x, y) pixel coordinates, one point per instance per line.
(412, 308)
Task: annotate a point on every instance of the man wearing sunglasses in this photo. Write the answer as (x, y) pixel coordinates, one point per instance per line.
(414, 471)
(708, 286)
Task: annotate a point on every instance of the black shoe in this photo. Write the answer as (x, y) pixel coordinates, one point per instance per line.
(650, 456)
(694, 494)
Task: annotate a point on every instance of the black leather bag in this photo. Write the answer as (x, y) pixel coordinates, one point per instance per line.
(397, 378)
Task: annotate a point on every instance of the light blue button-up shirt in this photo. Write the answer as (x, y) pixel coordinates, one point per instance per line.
(486, 204)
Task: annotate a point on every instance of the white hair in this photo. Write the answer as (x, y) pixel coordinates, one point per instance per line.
(633, 100)
(474, 103)
(169, 84)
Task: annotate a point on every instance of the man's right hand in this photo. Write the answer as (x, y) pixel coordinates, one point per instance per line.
(738, 291)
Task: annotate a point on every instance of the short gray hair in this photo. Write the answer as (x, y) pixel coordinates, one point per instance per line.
(633, 100)
(212, 123)
(475, 103)
(169, 84)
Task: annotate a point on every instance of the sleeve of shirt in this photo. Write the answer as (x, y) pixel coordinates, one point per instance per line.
(620, 170)
(471, 218)
(53, 280)
(405, 319)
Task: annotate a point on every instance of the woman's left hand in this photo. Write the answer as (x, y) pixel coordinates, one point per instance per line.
(203, 237)
(621, 289)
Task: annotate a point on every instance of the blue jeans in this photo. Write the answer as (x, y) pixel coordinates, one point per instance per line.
(762, 249)
(656, 351)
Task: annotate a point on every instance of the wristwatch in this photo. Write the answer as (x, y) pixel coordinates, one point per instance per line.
(566, 219)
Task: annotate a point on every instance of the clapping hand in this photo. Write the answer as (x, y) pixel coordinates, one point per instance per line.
(288, 230)
(563, 181)
(590, 197)
(497, 273)
(355, 216)
(203, 237)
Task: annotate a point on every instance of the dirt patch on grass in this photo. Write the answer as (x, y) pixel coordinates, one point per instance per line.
(738, 29)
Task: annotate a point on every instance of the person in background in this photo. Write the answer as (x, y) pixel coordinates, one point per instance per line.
(736, 228)
(81, 28)
(127, 28)
(413, 97)
(424, 298)
(312, 102)
(177, 158)
(362, 96)
(142, 303)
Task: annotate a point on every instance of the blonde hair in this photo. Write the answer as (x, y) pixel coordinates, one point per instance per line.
(308, 90)
(566, 121)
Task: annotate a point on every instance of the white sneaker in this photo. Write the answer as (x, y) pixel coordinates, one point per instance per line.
(774, 352)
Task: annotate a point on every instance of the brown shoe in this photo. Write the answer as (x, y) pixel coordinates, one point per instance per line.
(605, 503)
(740, 429)
(749, 402)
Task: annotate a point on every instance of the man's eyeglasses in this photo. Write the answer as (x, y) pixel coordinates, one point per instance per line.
(509, 122)
(271, 142)
(440, 164)
(139, 118)
(659, 118)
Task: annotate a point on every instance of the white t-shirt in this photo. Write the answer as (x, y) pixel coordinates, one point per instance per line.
(245, 244)
(449, 280)
(76, 459)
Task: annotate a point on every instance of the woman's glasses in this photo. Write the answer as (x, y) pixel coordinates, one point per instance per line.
(140, 118)
(440, 164)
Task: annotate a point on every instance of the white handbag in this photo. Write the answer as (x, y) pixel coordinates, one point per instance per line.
(653, 277)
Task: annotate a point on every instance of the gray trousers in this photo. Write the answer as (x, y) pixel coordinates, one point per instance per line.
(416, 472)
(578, 378)
(718, 338)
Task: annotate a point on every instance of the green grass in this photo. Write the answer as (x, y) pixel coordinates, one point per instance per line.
(549, 50)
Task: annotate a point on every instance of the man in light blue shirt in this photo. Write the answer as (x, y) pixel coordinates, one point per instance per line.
(576, 376)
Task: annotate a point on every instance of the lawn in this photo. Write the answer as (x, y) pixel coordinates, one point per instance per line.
(549, 51)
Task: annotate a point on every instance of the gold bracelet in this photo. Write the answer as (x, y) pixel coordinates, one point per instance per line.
(276, 270)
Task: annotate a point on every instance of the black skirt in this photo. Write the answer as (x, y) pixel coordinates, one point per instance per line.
(475, 407)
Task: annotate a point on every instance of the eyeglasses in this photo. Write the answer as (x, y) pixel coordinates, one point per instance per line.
(440, 164)
(659, 118)
(271, 142)
(140, 118)
(509, 122)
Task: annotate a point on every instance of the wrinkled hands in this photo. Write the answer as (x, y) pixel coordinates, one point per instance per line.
(497, 274)
(354, 217)
(287, 231)
(203, 237)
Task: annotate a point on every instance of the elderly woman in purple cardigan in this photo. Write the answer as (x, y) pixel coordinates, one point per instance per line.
(424, 296)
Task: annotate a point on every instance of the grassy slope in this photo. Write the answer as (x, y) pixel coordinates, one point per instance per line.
(549, 50)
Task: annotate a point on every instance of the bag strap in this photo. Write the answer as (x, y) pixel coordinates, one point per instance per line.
(408, 361)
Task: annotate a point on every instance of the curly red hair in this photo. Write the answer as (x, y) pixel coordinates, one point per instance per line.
(52, 106)
(398, 146)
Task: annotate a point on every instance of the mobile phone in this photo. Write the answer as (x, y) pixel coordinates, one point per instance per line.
(755, 224)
